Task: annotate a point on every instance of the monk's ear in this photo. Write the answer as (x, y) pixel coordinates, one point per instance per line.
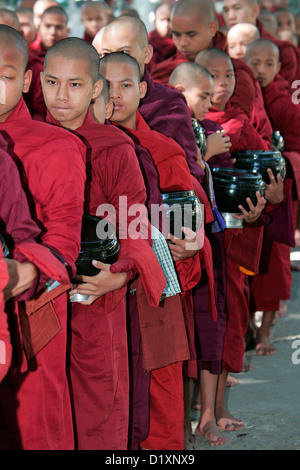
(256, 10)
(98, 86)
(27, 81)
(278, 67)
(148, 53)
(213, 28)
(109, 109)
(143, 89)
(180, 87)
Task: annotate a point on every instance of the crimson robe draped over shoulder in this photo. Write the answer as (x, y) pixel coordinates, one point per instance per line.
(5, 345)
(163, 47)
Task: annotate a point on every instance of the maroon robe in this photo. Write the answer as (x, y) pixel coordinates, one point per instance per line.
(5, 344)
(101, 388)
(163, 47)
(56, 203)
(35, 98)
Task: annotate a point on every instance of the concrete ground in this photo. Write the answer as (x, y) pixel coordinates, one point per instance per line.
(267, 398)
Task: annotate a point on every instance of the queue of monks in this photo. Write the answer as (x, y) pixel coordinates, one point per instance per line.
(103, 127)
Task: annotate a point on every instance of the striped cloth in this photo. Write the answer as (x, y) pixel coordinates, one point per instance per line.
(162, 252)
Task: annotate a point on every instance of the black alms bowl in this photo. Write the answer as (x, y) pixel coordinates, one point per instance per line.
(183, 209)
(259, 161)
(94, 248)
(232, 186)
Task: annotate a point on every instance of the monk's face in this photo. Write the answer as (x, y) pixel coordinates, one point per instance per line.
(94, 18)
(68, 89)
(27, 28)
(224, 81)
(199, 98)
(162, 21)
(190, 36)
(237, 43)
(285, 22)
(125, 91)
(264, 63)
(13, 80)
(120, 39)
(53, 28)
(101, 110)
(239, 11)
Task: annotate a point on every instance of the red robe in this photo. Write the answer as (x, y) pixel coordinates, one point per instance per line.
(35, 98)
(101, 388)
(5, 344)
(239, 243)
(260, 119)
(242, 134)
(163, 47)
(56, 203)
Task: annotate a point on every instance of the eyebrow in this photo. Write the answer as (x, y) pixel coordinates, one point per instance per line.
(48, 75)
(184, 32)
(7, 66)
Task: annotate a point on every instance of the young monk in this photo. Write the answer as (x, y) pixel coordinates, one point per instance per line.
(247, 11)
(9, 18)
(38, 9)
(53, 27)
(238, 37)
(197, 85)
(263, 57)
(122, 70)
(38, 381)
(27, 28)
(100, 388)
(242, 137)
(160, 37)
(94, 15)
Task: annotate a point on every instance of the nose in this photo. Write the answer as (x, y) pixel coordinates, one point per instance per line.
(114, 92)
(62, 93)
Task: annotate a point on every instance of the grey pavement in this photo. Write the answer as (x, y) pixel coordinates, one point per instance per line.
(267, 398)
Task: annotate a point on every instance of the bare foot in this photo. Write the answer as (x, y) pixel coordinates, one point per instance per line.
(231, 381)
(264, 347)
(227, 422)
(210, 431)
(189, 441)
(246, 365)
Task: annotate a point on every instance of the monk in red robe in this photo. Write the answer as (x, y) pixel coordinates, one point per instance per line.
(219, 65)
(53, 27)
(160, 38)
(238, 37)
(100, 388)
(38, 381)
(263, 57)
(247, 11)
(115, 67)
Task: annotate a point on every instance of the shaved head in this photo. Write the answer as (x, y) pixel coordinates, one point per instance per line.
(188, 74)
(9, 18)
(119, 57)
(78, 49)
(202, 10)
(247, 29)
(204, 57)
(260, 45)
(12, 38)
(135, 25)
